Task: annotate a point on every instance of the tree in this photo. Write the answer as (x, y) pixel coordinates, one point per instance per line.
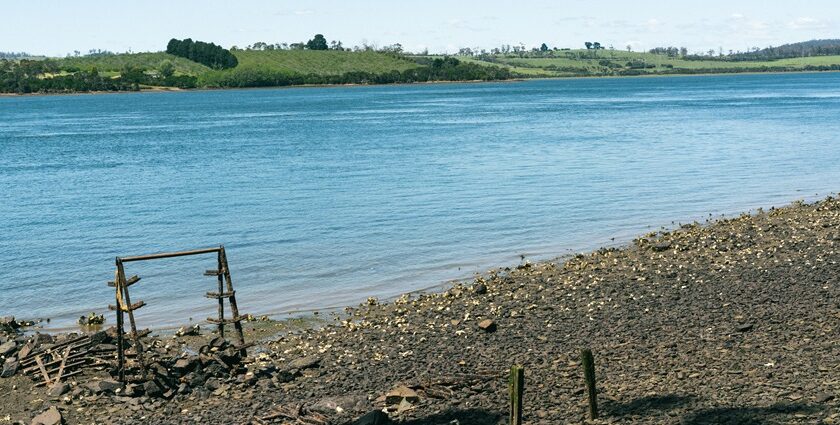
(544, 47)
(588, 45)
(596, 45)
(317, 43)
(629, 48)
(166, 68)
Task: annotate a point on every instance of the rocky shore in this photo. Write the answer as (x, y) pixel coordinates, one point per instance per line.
(735, 321)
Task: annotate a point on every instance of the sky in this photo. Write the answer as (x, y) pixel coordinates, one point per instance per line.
(56, 28)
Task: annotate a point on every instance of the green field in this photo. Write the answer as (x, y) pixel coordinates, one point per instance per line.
(115, 63)
(609, 62)
(321, 62)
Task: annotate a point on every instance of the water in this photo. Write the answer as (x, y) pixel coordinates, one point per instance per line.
(325, 196)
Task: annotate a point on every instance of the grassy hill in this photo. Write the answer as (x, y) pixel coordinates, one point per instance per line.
(147, 61)
(613, 62)
(321, 62)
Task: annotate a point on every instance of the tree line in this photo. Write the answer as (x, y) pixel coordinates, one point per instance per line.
(209, 54)
(437, 69)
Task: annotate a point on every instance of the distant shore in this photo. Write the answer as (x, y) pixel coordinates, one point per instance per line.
(163, 89)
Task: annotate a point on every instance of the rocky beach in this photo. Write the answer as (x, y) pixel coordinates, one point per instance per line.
(732, 321)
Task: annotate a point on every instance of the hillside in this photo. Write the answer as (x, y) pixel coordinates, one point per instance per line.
(146, 61)
(570, 63)
(321, 62)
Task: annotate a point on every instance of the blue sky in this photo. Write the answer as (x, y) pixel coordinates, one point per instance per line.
(60, 27)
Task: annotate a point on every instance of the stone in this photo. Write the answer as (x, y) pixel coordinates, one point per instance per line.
(24, 351)
(188, 331)
(662, 246)
(480, 289)
(376, 417)
(58, 390)
(50, 417)
(108, 386)
(186, 364)
(341, 404)
(745, 328)
(8, 348)
(824, 397)
(487, 325)
(152, 389)
(305, 362)
(10, 367)
(400, 393)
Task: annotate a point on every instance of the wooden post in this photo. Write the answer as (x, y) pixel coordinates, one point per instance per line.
(234, 309)
(138, 348)
(220, 268)
(589, 375)
(517, 386)
(120, 328)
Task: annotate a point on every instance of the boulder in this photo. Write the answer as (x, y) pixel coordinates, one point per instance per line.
(108, 386)
(7, 348)
(400, 393)
(152, 389)
(305, 362)
(487, 325)
(376, 417)
(50, 417)
(59, 390)
(340, 404)
(480, 289)
(10, 367)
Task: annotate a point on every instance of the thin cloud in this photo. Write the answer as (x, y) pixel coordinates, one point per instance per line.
(806, 23)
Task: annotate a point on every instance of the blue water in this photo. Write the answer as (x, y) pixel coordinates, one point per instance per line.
(325, 196)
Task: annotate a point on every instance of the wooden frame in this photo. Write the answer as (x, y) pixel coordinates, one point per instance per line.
(124, 305)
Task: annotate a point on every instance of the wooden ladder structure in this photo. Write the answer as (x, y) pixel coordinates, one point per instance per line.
(124, 305)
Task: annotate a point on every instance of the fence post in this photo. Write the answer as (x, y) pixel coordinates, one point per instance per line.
(589, 374)
(517, 386)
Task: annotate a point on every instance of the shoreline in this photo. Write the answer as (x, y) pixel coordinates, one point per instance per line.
(714, 323)
(164, 89)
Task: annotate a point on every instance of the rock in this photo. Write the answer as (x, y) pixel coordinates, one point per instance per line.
(152, 389)
(50, 417)
(213, 384)
(305, 362)
(662, 246)
(400, 393)
(59, 389)
(341, 404)
(376, 417)
(186, 365)
(40, 338)
(824, 397)
(745, 328)
(480, 289)
(10, 367)
(487, 325)
(217, 342)
(108, 386)
(8, 348)
(24, 351)
(188, 331)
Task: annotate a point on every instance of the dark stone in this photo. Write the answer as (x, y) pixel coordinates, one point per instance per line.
(108, 386)
(662, 246)
(376, 417)
(152, 389)
(213, 384)
(341, 404)
(59, 390)
(480, 289)
(8, 348)
(305, 362)
(745, 328)
(10, 367)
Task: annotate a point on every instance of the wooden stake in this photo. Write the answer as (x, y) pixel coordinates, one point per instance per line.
(517, 387)
(221, 300)
(589, 375)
